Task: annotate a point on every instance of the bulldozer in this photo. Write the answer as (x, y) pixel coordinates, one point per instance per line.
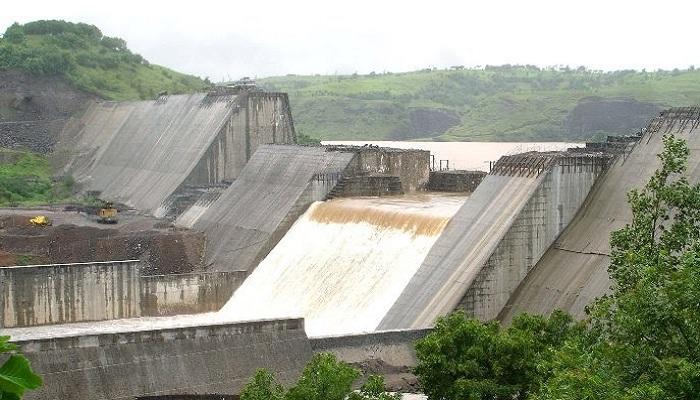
(40, 220)
(107, 214)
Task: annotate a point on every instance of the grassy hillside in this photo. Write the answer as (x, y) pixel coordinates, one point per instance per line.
(493, 103)
(25, 179)
(88, 60)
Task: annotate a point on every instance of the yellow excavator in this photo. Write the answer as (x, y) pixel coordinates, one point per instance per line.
(107, 214)
(40, 220)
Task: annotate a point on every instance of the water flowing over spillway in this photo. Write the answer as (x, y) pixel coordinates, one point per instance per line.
(344, 262)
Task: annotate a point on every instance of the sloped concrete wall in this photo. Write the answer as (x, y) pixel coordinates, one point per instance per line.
(256, 119)
(466, 243)
(62, 293)
(138, 153)
(494, 239)
(548, 211)
(275, 187)
(191, 360)
(141, 153)
(573, 271)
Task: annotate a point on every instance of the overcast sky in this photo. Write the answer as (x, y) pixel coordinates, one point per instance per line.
(231, 39)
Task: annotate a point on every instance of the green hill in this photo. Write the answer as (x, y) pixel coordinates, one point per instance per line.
(518, 103)
(88, 60)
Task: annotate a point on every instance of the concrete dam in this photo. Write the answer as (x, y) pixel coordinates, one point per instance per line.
(318, 248)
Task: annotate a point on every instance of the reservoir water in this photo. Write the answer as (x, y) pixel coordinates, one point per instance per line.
(468, 155)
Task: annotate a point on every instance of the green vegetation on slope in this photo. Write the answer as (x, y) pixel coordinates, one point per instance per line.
(88, 60)
(494, 103)
(324, 378)
(25, 179)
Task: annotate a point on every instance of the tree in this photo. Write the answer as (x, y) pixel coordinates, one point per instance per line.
(16, 376)
(14, 34)
(263, 386)
(643, 341)
(324, 378)
(374, 389)
(466, 359)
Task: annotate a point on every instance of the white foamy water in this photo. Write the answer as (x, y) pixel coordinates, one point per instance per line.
(344, 262)
(468, 155)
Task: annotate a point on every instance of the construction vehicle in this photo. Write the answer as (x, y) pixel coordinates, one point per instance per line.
(40, 220)
(107, 214)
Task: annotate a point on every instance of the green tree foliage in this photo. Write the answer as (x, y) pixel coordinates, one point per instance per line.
(644, 337)
(263, 386)
(16, 376)
(374, 389)
(466, 359)
(324, 378)
(82, 55)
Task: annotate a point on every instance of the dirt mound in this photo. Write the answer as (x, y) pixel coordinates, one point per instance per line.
(167, 252)
(34, 109)
(12, 221)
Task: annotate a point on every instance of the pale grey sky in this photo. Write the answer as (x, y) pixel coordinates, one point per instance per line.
(222, 39)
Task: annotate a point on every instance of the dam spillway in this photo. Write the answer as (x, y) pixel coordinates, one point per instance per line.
(344, 262)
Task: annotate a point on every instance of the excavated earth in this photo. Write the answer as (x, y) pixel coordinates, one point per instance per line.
(77, 237)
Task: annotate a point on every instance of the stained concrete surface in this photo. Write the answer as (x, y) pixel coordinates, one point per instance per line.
(573, 271)
(202, 359)
(276, 186)
(138, 153)
(189, 355)
(64, 293)
(469, 238)
(390, 354)
(512, 211)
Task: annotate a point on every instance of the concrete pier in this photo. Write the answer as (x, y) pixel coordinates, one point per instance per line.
(496, 237)
(573, 271)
